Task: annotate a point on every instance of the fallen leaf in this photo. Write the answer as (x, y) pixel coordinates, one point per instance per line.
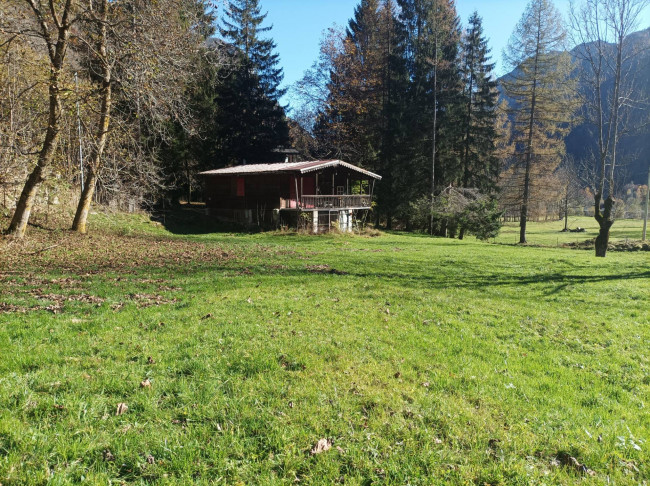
(150, 360)
(570, 461)
(630, 465)
(151, 459)
(207, 316)
(249, 300)
(321, 446)
(426, 384)
(108, 456)
(146, 383)
(121, 408)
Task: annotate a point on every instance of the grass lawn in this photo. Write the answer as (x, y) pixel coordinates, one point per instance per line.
(419, 360)
(549, 233)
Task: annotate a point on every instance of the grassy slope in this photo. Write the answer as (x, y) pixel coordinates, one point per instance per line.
(429, 361)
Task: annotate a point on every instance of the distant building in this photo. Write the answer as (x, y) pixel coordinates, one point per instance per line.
(318, 194)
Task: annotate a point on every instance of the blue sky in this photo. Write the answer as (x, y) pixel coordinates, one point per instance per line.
(298, 25)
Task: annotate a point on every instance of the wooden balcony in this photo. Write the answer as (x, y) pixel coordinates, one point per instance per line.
(355, 201)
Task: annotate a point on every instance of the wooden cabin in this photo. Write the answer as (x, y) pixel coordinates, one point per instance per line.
(318, 194)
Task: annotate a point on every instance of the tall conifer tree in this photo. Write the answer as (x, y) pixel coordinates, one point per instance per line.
(479, 163)
(541, 89)
(253, 120)
(431, 43)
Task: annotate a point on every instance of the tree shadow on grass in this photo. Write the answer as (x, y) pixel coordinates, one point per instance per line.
(558, 280)
(192, 220)
(542, 283)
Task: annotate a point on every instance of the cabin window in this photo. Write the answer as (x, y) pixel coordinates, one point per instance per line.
(241, 187)
(340, 190)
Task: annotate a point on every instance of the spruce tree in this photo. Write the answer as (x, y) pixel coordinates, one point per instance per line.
(359, 119)
(394, 128)
(252, 120)
(479, 163)
(431, 31)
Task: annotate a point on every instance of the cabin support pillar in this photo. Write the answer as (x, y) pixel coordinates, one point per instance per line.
(345, 220)
(315, 221)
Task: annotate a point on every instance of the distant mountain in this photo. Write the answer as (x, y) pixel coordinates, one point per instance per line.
(634, 151)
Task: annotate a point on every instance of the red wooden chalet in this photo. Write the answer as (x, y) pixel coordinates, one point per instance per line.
(317, 193)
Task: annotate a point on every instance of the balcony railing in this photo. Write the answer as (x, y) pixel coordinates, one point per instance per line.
(335, 202)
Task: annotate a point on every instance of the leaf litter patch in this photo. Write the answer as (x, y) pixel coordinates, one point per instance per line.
(325, 269)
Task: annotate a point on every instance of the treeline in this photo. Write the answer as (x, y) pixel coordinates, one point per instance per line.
(127, 100)
(148, 94)
(95, 82)
(408, 93)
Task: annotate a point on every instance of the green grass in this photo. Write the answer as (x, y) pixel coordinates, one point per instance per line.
(549, 233)
(423, 361)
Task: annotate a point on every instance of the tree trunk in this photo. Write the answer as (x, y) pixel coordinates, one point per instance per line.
(602, 240)
(523, 219)
(56, 50)
(81, 217)
(433, 144)
(83, 208)
(605, 222)
(26, 202)
(647, 205)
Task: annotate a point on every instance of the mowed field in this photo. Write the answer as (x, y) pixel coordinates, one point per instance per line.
(550, 233)
(417, 360)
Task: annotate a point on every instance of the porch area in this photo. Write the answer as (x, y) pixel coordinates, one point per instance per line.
(310, 202)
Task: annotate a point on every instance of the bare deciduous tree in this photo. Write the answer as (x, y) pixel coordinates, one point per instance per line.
(602, 28)
(148, 51)
(55, 21)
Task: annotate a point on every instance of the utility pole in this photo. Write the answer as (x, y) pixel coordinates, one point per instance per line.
(81, 150)
(647, 203)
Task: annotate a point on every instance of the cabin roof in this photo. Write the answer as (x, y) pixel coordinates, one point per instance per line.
(283, 167)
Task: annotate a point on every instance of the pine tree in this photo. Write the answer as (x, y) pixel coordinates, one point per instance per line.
(358, 119)
(478, 160)
(350, 122)
(252, 120)
(541, 90)
(394, 128)
(431, 42)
